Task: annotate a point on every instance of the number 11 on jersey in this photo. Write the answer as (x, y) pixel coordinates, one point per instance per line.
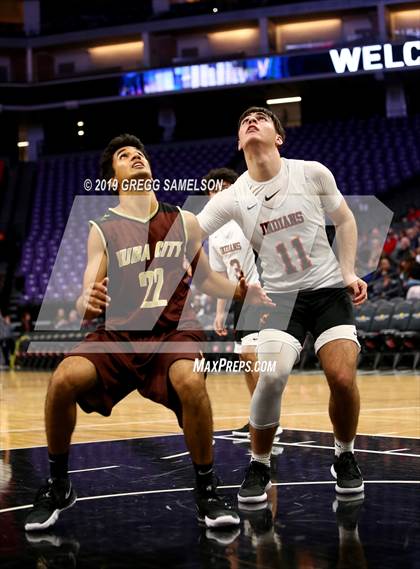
(304, 260)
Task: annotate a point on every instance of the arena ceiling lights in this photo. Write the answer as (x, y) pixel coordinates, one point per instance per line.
(283, 100)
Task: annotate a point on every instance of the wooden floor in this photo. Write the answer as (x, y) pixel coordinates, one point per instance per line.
(390, 406)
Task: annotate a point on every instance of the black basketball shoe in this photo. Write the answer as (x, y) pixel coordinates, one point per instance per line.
(51, 499)
(347, 473)
(213, 509)
(256, 483)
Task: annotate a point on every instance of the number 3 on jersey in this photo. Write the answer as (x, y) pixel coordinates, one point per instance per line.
(236, 267)
(150, 278)
(304, 260)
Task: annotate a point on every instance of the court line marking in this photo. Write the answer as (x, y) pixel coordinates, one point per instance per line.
(179, 454)
(104, 441)
(358, 433)
(305, 444)
(230, 487)
(220, 430)
(175, 455)
(124, 423)
(90, 469)
(301, 414)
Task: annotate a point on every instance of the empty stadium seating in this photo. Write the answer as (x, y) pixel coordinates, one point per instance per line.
(389, 333)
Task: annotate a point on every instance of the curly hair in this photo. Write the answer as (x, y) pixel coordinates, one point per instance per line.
(106, 167)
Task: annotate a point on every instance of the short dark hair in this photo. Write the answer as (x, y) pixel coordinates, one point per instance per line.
(225, 174)
(107, 169)
(277, 124)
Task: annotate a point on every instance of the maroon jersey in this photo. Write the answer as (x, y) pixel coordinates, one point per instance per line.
(148, 285)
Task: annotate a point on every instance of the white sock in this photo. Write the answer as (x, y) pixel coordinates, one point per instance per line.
(343, 447)
(263, 458)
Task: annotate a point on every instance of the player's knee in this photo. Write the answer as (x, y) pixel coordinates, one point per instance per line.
(273, 382)
(248, 355)
(61, 381)
(341, 380)
(68, 380)
(190, 388)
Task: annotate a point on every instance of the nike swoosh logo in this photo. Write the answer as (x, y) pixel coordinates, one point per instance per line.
(268, 198)
(251, 206)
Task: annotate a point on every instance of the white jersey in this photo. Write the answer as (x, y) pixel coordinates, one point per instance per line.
(284, 220)
(230, 251)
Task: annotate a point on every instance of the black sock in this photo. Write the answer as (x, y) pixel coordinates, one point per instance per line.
(59, 464)
(203, 475)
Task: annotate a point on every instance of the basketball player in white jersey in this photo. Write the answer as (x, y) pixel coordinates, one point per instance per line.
(231, 255)
(280, 205)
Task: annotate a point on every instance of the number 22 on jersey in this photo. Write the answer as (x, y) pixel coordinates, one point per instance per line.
(152, 279)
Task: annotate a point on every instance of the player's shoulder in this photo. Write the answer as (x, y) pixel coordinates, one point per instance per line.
(317, 173)
(313, 168)
(107, 215)
(225, 230)
(231, 192)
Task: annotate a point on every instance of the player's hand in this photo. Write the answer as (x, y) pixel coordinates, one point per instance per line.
(254, 293)
(358, 291)
(218, 325)
(95, 297)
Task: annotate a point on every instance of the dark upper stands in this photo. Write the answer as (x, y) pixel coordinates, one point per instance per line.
(367, 157)
(82, 15)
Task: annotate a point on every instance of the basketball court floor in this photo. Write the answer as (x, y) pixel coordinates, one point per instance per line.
(134, 479)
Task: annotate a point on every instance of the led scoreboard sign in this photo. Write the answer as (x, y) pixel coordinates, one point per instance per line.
(200, 76)
(270, 68)
(376, 57)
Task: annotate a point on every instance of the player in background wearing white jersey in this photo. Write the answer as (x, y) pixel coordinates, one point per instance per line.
(231, 255)
(280, 205)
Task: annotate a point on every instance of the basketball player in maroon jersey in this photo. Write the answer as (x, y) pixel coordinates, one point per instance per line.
(135, 270)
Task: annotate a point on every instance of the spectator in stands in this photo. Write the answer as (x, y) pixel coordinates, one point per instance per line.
(375, 253)
(413, 273)
(413, 214)
(390, 242)
(381, 281)
(7, 343)
(413, 293)
(26, 320)
(413, 234)
(385, 267)
(402, 251)
(60, 320)
(73, 321)
(167, 122)
(386, 287)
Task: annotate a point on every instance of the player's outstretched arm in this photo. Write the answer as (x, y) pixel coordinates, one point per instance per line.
(212, 283)
(220, 317)
(346, 234)
(94, 298)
